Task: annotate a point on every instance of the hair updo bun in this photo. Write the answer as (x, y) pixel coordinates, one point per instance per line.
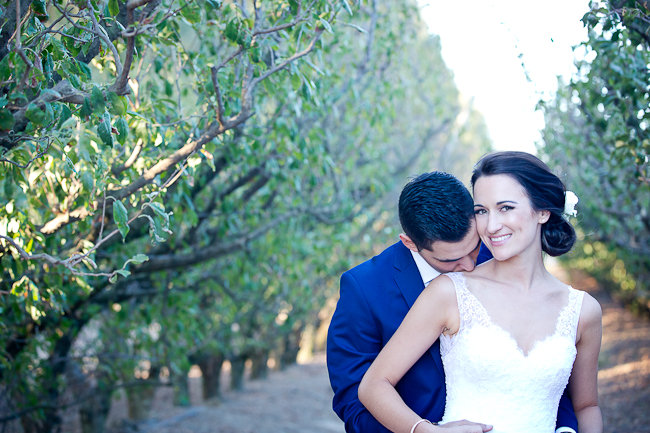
(558, 235)
(544, 189)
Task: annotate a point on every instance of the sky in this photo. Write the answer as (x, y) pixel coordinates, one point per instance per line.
(484, 43)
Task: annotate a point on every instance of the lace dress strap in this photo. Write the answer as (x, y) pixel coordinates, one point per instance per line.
(470, 310)
(567, 323)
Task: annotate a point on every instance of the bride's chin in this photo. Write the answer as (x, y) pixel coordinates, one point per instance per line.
(501, 256)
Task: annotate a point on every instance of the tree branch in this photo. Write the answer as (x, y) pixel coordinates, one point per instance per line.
(293, 58)
(14, 13)
(209, 134)
(121, 82)
(175, 261)
(63, 219)
(68, 263)
(117, 169)
(62, 92)
(39, 153)
(217, 91)
(101, 33)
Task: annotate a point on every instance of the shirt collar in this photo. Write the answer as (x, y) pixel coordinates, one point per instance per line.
(426, 270)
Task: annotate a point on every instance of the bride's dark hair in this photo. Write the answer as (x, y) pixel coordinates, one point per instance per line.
(544, 189)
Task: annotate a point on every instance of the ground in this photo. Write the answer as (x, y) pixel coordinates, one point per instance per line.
(299, 398)
(624, 370)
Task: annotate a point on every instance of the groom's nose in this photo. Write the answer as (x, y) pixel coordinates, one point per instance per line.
(467, 263)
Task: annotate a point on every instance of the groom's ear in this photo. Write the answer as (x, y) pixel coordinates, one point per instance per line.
(408, 243)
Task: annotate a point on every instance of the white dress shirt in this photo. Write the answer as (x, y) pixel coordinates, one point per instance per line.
(426, 270)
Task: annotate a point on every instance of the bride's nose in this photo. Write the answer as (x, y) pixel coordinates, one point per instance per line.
(494, 222)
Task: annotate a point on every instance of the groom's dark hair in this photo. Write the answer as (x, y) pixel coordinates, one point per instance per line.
(435, 207)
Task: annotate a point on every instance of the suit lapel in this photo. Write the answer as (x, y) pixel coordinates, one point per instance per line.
(408, 277)
(410, 283)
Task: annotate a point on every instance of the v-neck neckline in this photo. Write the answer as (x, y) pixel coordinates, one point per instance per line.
(506, 332)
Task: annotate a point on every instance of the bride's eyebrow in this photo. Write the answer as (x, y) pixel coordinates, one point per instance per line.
(499, 203)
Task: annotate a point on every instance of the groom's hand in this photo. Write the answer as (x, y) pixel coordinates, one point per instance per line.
(464, 426)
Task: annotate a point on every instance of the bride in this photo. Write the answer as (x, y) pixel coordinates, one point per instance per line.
(512, 336)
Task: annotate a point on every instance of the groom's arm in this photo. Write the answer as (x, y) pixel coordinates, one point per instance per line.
(353, 342)
(566, 417)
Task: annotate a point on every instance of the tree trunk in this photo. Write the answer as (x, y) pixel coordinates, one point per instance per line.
(94, 411)
(259, 367)
(181, 389)
(94, 396)
(139, 399)
(290, 348)
(238, 366)
(31, 425)
(210, 366)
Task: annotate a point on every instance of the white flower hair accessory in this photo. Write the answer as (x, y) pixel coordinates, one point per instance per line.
(570, 202)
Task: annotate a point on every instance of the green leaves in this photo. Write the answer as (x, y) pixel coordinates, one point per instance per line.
(97, 100)
(232, 30)
(118, 104)
(122, 130)
(298, 168)
(121, 218)
(40, 9)
(64, 115)
(597, 133)
(104, 130)
(113, 7)
(6, 119)
(159, 223)
(86, 109)
(137, 259)
(236, 31)
(40, 115)
(190, 11)
(118, 272)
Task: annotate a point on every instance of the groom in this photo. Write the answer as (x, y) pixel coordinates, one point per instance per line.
(437, 215)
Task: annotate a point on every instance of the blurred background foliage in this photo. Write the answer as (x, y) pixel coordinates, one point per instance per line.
(596, 137)
(184, 181)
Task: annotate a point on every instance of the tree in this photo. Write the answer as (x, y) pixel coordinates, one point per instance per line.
(186, 180)
(597, 132)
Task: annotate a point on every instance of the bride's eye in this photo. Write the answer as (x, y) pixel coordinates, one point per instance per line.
(479, 211)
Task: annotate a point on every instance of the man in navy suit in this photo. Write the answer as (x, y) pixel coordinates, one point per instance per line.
(436, 213)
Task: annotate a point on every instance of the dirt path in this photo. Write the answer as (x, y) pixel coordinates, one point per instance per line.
(299, 398)
(624, 364)
(295, 400)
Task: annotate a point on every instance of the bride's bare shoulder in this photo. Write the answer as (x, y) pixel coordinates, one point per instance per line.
(439, 301)
(441, 288)
(591, 313)
(481, 272)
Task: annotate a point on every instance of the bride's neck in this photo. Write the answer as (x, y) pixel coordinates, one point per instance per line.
(521, 271)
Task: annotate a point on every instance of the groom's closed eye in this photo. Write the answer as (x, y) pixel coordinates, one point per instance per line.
(478, 245)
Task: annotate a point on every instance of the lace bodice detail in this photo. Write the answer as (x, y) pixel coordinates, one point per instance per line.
(491, 380)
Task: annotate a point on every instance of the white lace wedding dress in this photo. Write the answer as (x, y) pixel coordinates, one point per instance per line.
(490, 379)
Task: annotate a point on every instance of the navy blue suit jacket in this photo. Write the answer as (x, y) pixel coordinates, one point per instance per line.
(375, 296)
